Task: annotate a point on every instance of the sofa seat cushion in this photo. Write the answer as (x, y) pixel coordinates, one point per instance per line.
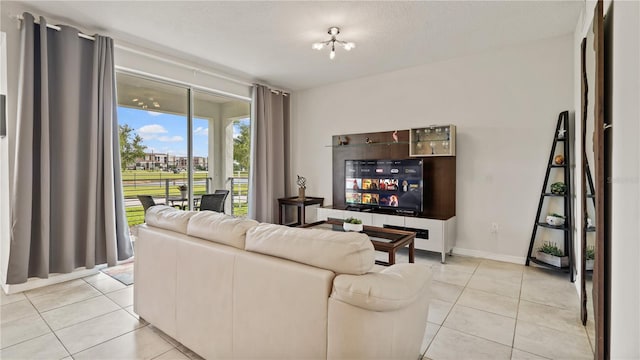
(340, 252)
(393, 288)
(220, 228)
(169, 218)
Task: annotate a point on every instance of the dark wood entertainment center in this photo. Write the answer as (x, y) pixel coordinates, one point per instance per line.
(439, 172)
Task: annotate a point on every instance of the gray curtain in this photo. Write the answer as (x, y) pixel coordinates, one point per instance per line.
(67, 205)
(269, 159)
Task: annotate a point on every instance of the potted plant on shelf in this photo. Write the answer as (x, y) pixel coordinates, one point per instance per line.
(183, 190)
(555, 219)
(550, 253)
(590, 257)
(352, 224)
(558, 188)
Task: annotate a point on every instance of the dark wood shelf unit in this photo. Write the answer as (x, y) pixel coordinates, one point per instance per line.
(439, 173)
(561, 125)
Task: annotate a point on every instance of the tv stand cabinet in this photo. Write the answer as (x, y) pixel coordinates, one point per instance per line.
(431, 234)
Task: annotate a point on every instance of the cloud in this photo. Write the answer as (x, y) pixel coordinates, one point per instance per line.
(201, 131)
(153, 113)
(152, 129)
(175, 138)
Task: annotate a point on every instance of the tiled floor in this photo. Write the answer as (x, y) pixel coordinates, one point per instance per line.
(480, 309)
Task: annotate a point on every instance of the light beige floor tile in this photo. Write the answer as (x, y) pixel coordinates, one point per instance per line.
(189, 353)
(78, 312)
(8, 299)
(63, 296)
(172, 354)
(452, 344)
(558, 294)
(16, 310)
(450, 276)
(445, 292)
(567, 320)
(438, 311)
(122, 297)
(501, 265)
(59, 287)
(591, 333)
(508, 274)
(84, 335)
(460, 263)
(523, 355)
(480, 323)
(43, 347)
(497, 304)
(96, 277)
(550, 343)
(428, 257)
(139, 344)
(108, 285)
(429, 334)
(26, 328)
(165, 337)
(495, 286)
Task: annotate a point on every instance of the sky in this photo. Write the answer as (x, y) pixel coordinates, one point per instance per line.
(167, 133)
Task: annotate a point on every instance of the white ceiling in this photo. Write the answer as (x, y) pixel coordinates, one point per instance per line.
(271, 40)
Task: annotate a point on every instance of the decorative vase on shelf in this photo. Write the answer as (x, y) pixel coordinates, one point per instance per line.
(183, 194)
(301, 193)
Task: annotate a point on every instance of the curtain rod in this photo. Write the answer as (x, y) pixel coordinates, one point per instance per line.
(173, 62)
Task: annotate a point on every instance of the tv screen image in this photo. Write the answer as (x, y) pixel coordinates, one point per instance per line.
(354, 184)
(353, 197)
(393, 184)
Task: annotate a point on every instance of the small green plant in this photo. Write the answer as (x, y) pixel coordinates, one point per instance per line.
(353, 220)
(557, 215)
(591, 252)
(551, 249)
(558, 188)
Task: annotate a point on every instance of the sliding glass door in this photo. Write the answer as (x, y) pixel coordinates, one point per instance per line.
(177, 144)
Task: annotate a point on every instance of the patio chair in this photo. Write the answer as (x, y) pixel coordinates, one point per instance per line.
(147, 201)
(213, 202)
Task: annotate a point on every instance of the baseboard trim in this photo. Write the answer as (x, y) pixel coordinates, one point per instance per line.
(489, 255)
(35, 283)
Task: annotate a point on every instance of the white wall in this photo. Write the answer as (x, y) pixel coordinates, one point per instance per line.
(625, 182)
(505, 104)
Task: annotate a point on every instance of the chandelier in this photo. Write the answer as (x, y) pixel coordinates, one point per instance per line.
(333, 31)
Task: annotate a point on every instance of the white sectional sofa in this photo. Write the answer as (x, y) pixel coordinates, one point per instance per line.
(231, 288)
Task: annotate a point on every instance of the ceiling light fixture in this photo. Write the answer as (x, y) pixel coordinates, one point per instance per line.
(333, 31)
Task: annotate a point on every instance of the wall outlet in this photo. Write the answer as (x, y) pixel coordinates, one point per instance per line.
(494, 228)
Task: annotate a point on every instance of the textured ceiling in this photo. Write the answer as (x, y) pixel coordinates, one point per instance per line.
(271, 41)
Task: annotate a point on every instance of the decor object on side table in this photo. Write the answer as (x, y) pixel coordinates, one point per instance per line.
(550, 253)
(352, 224)
(183, 190)
(302, 185)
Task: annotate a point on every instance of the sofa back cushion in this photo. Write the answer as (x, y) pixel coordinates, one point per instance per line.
(220, 228)
(340, 252)
(169, 218)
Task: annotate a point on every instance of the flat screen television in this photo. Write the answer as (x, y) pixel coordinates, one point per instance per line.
(384, 184)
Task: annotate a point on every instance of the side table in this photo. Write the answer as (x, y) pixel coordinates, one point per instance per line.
(301, 204)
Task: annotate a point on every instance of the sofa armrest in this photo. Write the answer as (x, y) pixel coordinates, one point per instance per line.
(393, 288)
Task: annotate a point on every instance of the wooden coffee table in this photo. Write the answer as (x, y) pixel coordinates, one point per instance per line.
(383, 239)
